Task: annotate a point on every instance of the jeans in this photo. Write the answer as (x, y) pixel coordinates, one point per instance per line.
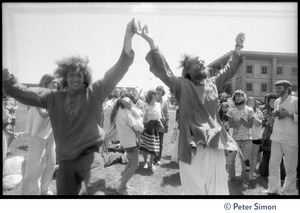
(245, 146)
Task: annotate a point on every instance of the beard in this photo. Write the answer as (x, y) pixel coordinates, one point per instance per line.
(241, 103)
(279, 94)
(198, 75)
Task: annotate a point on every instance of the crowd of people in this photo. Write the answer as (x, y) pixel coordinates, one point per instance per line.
(73, 122)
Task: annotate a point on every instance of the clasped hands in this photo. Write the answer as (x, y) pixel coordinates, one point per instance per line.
(282, 113)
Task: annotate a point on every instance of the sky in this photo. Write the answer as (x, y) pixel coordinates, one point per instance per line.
(36, 35)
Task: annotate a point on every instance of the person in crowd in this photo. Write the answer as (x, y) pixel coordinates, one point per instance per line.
(284, 141)
(41, 157)
(124, 92)
(267, 124)
(256, 132)
(174, 156)
(223, 97)
(240, 119)
(75, 115)
(140, 103)
(165, 121)
(108, 106)
(11, 105)
(129, 123)
(202, 139)
(223, 109)
(5, 122)
(150, 137)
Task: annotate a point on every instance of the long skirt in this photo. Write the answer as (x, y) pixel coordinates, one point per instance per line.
(150, 138)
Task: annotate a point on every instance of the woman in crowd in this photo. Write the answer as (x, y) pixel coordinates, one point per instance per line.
(256, 132)
(40, 161)
(129, 123)
(150, 136)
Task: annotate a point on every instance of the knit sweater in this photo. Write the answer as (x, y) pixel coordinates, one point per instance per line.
(198, 105)
(72, 137)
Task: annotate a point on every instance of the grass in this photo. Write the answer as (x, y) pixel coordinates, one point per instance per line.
(165, 180)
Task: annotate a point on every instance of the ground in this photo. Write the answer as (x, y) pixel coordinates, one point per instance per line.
(165, 180)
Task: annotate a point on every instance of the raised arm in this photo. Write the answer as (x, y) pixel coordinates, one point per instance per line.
(158, 64)
(117, 72)
(233, 64)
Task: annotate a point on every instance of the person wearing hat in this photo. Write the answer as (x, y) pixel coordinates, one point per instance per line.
(284, 141)
(202, 139)
(165, 121)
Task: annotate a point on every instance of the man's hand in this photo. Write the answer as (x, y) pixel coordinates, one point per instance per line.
(240, 39)
(144, 33)
(283, 113)
(131, 28)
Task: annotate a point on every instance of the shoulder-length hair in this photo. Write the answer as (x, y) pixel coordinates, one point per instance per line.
(46, 80)
(241, 92)
(149, 96)
(117, 105)
(71, 64)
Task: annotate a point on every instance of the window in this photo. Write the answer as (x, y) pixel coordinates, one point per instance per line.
(249, 68)
(264, 87)
(264, 70)
(294, 87)
(279, 70)
(249, 87)
(294, 70)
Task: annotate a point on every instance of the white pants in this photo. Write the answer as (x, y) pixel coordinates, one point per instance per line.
(4, 147)
(206, 175)
(40, 164)
(290, 160)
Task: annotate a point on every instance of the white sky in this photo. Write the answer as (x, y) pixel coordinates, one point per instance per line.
(35, 35)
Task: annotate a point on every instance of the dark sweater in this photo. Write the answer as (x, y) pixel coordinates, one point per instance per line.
(73, 137)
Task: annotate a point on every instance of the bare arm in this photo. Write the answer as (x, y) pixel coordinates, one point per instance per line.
(158, 64)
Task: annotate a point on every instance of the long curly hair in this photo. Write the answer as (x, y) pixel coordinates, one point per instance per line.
(71, 64)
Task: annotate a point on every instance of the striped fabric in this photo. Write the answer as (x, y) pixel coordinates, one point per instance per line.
(150, 138)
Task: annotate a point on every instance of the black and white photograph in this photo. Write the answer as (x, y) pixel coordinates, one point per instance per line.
(156, 100)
